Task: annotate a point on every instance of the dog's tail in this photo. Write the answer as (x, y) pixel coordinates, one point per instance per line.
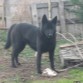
(8, 42)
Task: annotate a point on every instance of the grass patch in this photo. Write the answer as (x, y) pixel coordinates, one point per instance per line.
(12, 80)
(77, 74)
(64, 80)
(27, 52)
(3, 34)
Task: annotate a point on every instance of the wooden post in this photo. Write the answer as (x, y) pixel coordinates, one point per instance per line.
(62, 17)
(8, 14)
(49, 10)
(3, 14)
(34, 15)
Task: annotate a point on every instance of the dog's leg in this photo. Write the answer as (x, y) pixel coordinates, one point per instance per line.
(51, 57)
(17, 60)
(20, 48)
(14, 53)
(16, 50)
(39, 62)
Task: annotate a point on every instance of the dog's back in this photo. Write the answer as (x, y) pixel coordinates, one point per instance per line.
(23, 32)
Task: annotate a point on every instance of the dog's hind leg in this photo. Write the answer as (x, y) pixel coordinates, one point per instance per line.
(14, 54)
(17, 48)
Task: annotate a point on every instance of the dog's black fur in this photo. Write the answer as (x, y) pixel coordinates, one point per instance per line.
(39, 39)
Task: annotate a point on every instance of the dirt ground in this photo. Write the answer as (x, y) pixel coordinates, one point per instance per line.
(27, 70)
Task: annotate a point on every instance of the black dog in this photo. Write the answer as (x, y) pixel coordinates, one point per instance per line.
(39, 39)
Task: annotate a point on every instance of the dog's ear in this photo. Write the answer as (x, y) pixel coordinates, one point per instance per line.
(44, 19)
(54, 20)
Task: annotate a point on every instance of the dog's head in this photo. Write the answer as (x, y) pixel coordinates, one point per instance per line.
(49, 26)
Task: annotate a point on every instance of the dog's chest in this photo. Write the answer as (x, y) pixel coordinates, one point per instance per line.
(47, 45)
